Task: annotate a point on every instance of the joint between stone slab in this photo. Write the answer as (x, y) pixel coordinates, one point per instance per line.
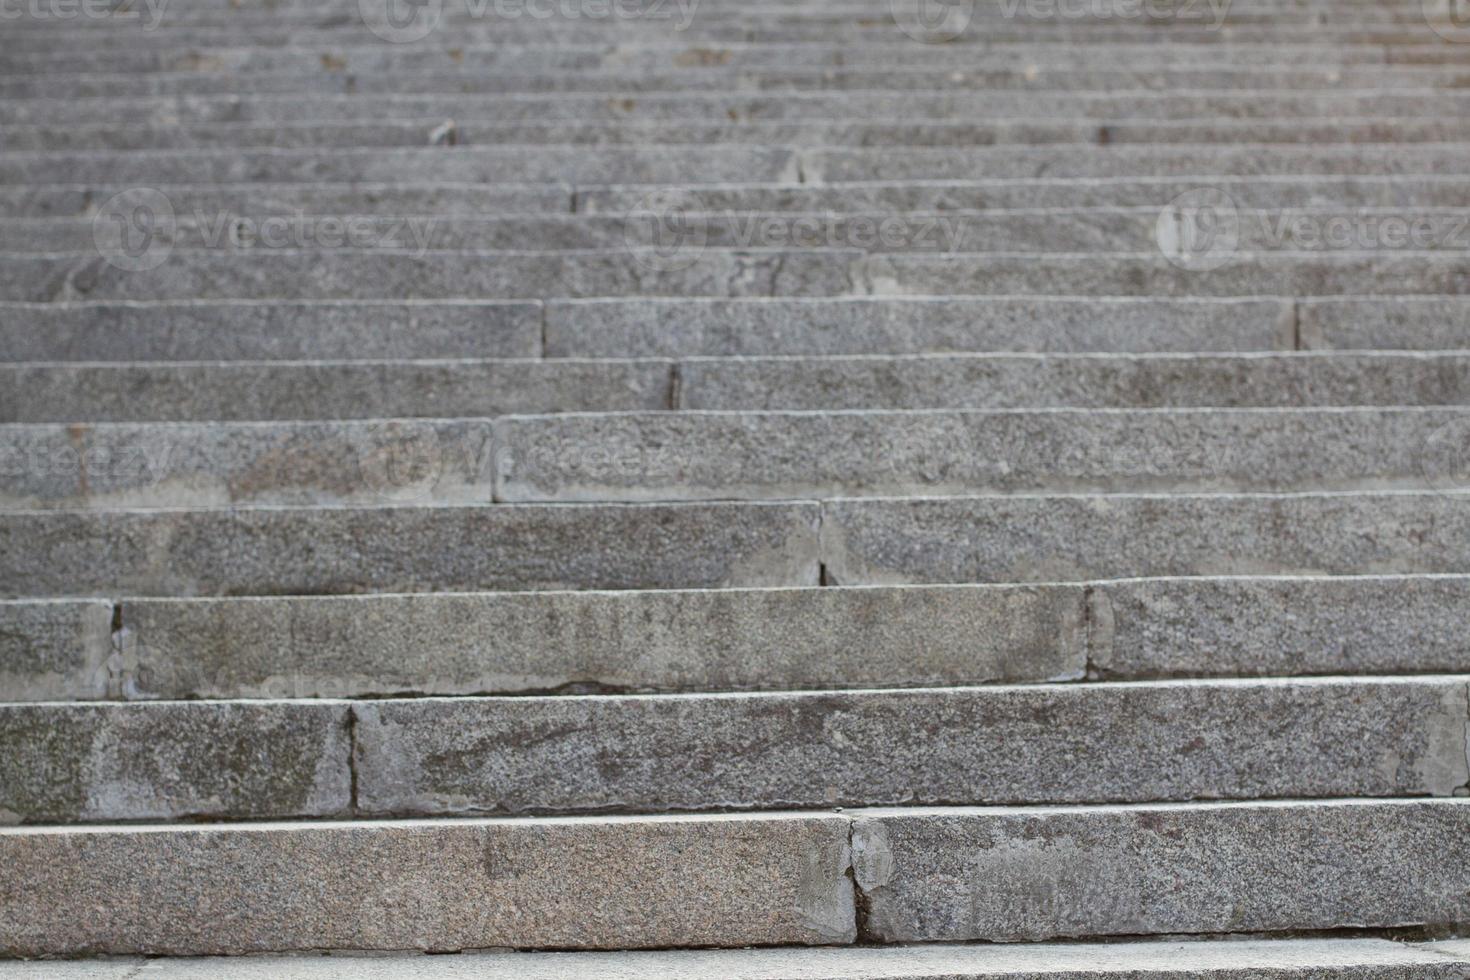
(121, 660)
(1097, 631)
(676, 387)
(352, 760)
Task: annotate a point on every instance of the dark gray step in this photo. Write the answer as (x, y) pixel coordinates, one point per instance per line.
(1077, 743)
(305, 551)
(730, 639)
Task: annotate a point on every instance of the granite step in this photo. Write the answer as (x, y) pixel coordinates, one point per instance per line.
(684, 268)
(772, 639)
(666, 455)
(1145, 741)
(1230, 959)
(1103, 231)
(336, 390)
(859, 541)
(740, 880)
(750, 106)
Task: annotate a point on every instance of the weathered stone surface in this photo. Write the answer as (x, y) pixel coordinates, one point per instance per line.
(1018, 873)
(489, 164)
(198, 331)
(871, 325)
(217, 464)
(1240, 959)
(597, 883)
(1042, 744)
(90, 762)
(701, 640)
(666, 455)
(325, 390)
(1256, 190)
(1382, 271)
(62, 650)
(1278, 626)
(1059, 538)
(308, 551)
(1075, 381)
(1425, 323)
(398, 274)
(82, 200)
(473, 165)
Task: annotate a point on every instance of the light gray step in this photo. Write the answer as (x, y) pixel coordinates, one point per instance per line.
(1238, 959)
(1076, 537)
(1405, 191)
(880, 325)
(934, 325)
(1072, 743)
(1377, 270)
(340, 75)
(1241, 160)
(1319, 378)
(436, 54)
(1030, 873)
(326, 272)
(598, 883)
(425, 198)
(226, 464)
(243, 330)
(730, 639)
(701, 107)
(429, 130)
(326, 390)
(1087, 230)
(296, 551)
(741, 880)
(480, 164)
(196, 330)
(286, 551)
(666, 456)
(417, 198)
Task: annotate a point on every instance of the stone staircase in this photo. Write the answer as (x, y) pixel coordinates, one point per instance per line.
(939, 490)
